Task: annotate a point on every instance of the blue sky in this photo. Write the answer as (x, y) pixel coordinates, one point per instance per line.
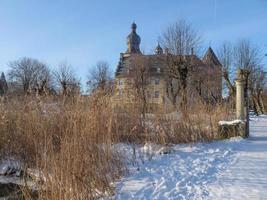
(83, 32)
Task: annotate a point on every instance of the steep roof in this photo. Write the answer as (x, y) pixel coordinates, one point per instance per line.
(157, 61)
(211, 58)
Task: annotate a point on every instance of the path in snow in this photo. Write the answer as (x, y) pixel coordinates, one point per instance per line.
(247, 177)
(232, 169)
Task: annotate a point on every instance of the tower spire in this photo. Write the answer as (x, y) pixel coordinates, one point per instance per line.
(133, 40)
(158, 50)
(134, 27)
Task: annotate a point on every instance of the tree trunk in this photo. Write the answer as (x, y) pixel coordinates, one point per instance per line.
(229, 85)
(255, 104)
(260, 102)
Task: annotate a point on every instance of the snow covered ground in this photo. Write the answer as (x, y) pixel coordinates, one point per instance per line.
(247, 177)
(232, 169)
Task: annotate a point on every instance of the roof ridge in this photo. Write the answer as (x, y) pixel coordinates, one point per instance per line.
(210, 56)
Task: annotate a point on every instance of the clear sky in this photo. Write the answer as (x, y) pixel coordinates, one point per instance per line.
(83, 32)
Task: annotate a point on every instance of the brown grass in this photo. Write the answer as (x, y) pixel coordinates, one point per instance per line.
(200, 123)
(68, 140)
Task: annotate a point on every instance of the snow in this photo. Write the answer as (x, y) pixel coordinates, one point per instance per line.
(11, 171)
(247, 177)
(10, 166)
(230, 169)
(182, 174)
(237, 121)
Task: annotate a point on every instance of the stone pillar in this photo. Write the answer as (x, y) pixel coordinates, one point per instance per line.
(240, 102)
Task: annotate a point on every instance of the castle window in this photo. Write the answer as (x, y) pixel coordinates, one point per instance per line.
(120, 93)
(158, 70)
(120, 82)
(156, 95)
(157, 80)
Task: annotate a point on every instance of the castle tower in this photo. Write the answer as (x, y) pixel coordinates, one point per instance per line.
(133, 41)
(158, 50)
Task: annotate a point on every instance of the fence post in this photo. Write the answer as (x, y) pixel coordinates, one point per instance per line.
(240, 111)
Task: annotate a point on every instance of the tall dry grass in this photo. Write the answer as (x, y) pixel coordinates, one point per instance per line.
(199, 123)
(67, 140)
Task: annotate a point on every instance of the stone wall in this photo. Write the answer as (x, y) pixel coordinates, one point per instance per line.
(228, 129)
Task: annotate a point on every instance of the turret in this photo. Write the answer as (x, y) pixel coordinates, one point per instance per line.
(158, 50)
(133, 41)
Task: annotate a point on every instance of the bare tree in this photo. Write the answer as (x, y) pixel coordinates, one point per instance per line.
(30, 74)
(225, 55)
(260, 85)
(66, 80)
(176, 79)
(43, 83)
(139, 71)
(246, 56)
(99, 77)
(180, 40)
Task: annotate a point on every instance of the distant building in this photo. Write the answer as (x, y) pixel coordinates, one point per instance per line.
(204, 80)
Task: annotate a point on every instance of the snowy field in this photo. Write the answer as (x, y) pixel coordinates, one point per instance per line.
(231, 169)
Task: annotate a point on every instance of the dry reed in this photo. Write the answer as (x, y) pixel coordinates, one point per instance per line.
(67, 140)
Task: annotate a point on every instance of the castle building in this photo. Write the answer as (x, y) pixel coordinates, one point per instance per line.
(204, 80)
